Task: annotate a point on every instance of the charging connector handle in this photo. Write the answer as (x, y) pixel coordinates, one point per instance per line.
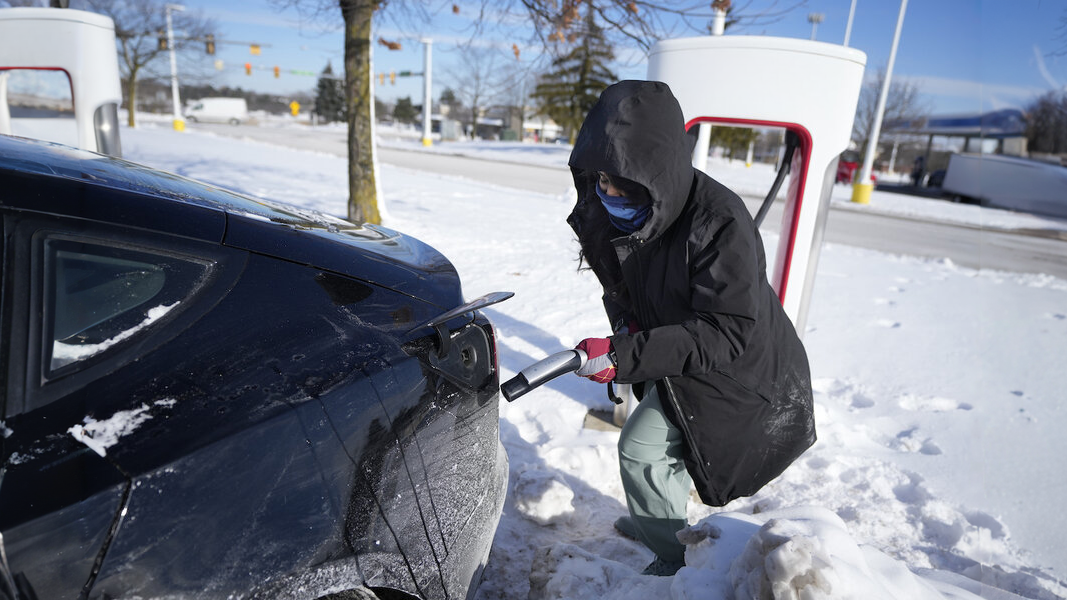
(542, 372)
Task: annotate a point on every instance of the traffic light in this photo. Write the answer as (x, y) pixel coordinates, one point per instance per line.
(209, 44)
(254, 50)
(248, 68)
(392, 77)
(162, 40)
(277, 72)
(381, 78)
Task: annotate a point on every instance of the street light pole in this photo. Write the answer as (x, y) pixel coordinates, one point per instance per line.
(179, 124)
(861, 190)
(815, 19)
(848, 27)
(427, 78)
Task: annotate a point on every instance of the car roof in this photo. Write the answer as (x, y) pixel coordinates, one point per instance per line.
(23, 155)
(375, 254)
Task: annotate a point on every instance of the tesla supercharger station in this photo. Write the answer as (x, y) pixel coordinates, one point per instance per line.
(79, 44)
(808, 88)
(805, 87)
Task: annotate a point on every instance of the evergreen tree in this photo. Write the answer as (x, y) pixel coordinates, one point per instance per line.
(404, 111)
(330, 96)
(448, 97)
(734, 139)
(568, 91)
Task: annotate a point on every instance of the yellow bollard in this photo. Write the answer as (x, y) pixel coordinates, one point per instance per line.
(427, 142)
(861, 192)
(179, 125)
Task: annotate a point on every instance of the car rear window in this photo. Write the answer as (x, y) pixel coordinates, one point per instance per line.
(97, 296)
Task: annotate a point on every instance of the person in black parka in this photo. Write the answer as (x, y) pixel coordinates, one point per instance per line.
(724, 378)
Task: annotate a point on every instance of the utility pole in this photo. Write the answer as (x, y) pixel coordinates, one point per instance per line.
(861, 190)
(427, 94)
(179, 124)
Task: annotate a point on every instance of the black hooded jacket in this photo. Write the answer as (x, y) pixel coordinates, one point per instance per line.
(733, 374)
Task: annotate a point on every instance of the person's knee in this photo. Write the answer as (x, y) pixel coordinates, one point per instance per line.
(632, 451)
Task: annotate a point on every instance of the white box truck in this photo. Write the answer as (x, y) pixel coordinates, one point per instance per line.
(217, 110)
(1007, 182)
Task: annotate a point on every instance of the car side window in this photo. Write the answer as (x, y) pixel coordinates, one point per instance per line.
(98, 295)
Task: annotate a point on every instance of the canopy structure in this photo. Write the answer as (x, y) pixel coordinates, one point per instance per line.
(1004, 124)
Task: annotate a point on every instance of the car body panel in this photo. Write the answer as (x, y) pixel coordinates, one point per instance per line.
(287, 416)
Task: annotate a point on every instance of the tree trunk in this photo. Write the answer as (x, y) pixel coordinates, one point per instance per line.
(131, 99)
(362, 188)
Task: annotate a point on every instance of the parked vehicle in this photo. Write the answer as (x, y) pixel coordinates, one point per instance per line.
(847, 164)
(1007, 182)
(206, 395)
(936, 178)
(218, 110)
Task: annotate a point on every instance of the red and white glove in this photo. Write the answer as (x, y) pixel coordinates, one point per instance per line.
(600, 362)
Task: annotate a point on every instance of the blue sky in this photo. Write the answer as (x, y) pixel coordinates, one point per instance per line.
(965, 55)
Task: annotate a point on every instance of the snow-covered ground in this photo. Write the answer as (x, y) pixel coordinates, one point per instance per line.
(938, 403)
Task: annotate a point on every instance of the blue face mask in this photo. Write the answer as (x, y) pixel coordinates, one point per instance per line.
(624, 215)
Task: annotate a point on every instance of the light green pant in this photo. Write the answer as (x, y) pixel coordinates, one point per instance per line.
(654, 477)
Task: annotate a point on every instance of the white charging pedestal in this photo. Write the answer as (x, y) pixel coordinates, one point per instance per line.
(79, 44)
(806, 87)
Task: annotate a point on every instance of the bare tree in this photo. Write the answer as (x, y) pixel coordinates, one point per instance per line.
(904, 104)
(1046, 123)
(139, 24)
(480, 83)
(547, 23)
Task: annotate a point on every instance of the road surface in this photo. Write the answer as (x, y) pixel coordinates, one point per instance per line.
(969, 246)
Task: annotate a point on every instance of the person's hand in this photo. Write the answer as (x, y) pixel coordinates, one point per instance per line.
(599, 365)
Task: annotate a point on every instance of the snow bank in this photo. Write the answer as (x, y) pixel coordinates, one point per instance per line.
(801, 553)
(938, 468)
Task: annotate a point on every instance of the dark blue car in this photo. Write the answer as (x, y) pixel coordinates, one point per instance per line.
(209, 396)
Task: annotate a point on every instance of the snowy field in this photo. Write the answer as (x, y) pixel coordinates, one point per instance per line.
(937, 473)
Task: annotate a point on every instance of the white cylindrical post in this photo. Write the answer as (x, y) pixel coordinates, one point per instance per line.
(751, 153)
(848, 27)
(179, 123)
(427, 79)
(703, 145)
(861, 190)
(700, 151)
(718, 22)
(5, 113)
